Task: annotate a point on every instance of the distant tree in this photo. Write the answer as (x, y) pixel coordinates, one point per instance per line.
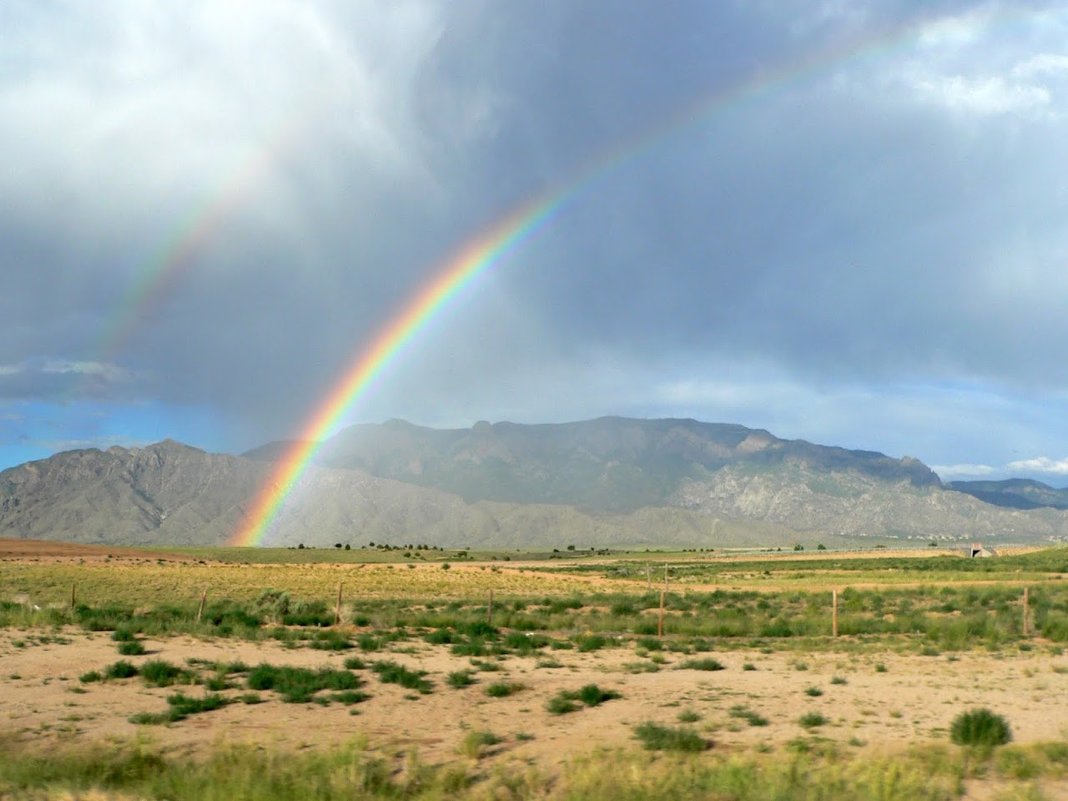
(571, 547)
(337, 545)
(821, 547)
(799, 547)
(300, 547)
(348, 547)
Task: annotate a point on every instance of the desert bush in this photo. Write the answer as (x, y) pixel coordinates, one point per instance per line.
(131, 648)
(655, 737)
(330, 641)
(591, 695)
(120, 670)
(502, 689)
(460, 678)
(811, 720)
(700, 663)
(158, 673)
(980, 727)
(299, 685)
(590, 642)
(181, 706)
(390, 672)
(748, 715)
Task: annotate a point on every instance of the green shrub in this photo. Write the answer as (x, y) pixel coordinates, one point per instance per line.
(591, 695)
(131, 648)
(560, 704)
(655, 737)
(183, 705)
(180, 706)
(460, 678)
(390, 672)
(299, 685)
(811, 720)
(330, 641)
(502, 689)
(349, 697)
(813, 692)
(980, 727)
(748, 715)
(158, 673)
(591, 642)
(701, 663)
(120, 670)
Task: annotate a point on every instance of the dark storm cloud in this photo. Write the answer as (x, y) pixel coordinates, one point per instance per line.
(892, 219)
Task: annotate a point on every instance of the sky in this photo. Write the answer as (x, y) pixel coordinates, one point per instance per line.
(845, 222)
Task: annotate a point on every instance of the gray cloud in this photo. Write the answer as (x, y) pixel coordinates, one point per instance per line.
(828, 252)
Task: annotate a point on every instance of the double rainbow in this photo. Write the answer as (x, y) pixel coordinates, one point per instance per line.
(494, 244)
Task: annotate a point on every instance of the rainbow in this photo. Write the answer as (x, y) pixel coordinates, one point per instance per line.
(160, 274)
(463, 268)
(490, 248)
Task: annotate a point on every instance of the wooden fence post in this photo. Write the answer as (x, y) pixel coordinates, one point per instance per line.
(337, 606)
(660, 619)
(489, 609)
(834, 613)
(203, 600)
(1026, 626)
(665, 577)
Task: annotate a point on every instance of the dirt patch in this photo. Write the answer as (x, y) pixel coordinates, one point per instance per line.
(63, 551)
(869, 701)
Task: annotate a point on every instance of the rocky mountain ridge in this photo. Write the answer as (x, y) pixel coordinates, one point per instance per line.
(610, 482)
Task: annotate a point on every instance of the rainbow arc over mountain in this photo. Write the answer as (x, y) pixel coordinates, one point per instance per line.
(495, 243)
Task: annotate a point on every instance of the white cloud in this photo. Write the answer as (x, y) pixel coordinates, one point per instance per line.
(1041, 464)
(1043, 64)
(951, 471)
(110, 372)
(157, 101)
(984, 96)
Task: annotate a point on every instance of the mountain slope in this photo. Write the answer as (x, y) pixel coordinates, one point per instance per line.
(610, 464)
(1014, 493)
(606, 482)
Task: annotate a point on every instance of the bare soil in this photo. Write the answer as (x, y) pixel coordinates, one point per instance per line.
(35, 550)
(912, 701)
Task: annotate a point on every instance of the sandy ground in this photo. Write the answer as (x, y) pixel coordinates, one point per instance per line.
(913, 701)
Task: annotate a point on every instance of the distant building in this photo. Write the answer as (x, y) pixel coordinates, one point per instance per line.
(977, 551)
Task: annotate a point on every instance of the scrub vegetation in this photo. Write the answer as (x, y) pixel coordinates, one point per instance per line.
(521, 647)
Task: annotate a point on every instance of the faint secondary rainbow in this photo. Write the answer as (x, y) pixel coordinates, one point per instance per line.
(160, 274)
(500, 239)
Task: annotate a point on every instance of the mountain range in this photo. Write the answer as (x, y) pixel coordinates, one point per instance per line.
(609, 482)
